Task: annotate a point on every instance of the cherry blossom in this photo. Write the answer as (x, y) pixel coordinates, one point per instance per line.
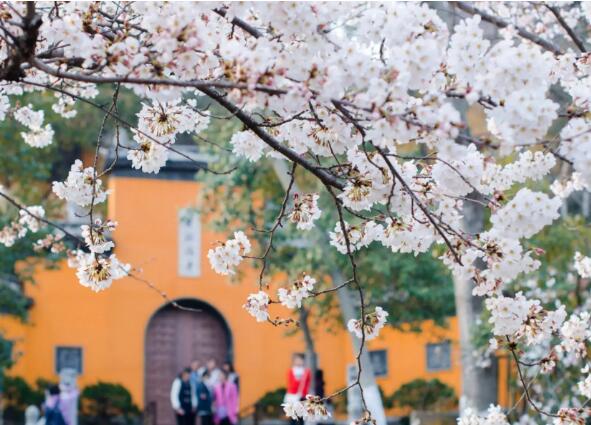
(494, 416)
(169, 118)
(149, 155)
(30, 217)
(583, 265)
(52, 242)
(312, 408)
(373, 103)
(95, 236)
(575, 332)
(372, 324)
(584, 386)
(229, 254)
(257, 306)
(98, 272)
(305, 211)
(300, 289)
(526, 214)
(38, 135)
(81, 186)
(248, 145)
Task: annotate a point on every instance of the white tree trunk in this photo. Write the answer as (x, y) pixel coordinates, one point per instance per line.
(479, 385)
(367, 380)
(348, 311)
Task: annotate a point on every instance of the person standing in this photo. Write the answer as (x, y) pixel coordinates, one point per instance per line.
(53, 410)
(319, 388)
(214, 374)
(225, 401)
(204, 402)
(196, 373)
(183, 398)
(298, 383)
(228, 367)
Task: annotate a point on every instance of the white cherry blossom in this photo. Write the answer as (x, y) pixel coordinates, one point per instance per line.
(228, 255)
(257, 306)
(81, 186)
(372, 324)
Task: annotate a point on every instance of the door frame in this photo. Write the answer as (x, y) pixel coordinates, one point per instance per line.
(191, 303)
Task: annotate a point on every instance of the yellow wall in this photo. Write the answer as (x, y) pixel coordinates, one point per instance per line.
(111, 325)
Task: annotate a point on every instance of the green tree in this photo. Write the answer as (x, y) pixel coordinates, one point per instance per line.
(421, 394)
(103, 403)
(254, 196)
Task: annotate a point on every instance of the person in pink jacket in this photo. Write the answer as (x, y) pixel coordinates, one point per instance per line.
(225, 401)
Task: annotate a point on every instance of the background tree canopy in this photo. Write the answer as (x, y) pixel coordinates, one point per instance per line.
(411, 288)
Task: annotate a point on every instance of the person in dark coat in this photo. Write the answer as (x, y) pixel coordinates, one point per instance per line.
(183, 398)
(204, 402)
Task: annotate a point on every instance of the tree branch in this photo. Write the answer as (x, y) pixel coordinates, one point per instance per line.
(571, 33)
(325, 177)
(500, 23)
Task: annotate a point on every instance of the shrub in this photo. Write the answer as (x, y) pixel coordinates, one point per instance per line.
(270, 403)
(18, 394)
(106, 403)
(424, 395)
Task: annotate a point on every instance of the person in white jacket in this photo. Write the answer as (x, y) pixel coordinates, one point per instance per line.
(183, 398)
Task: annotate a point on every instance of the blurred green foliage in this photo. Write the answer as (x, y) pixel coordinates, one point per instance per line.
(269, 404)
(105, 403)
(18, 394)
(27, 172)
(421, 394)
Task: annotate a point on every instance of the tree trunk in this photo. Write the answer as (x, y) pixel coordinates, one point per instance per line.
(311, 356)
(348, 312)
(479, 385)
(371, 391)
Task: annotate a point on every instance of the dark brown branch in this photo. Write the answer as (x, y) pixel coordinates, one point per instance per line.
(526, 385)
(122, 121)
(241, 24)
(21, 207)
(197, 84)
(421, 206)
(250, 123)
(23, 47)
(277, 224)
(500, 23)
(571, 33)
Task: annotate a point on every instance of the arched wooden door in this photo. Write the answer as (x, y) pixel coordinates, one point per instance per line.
(174, 338)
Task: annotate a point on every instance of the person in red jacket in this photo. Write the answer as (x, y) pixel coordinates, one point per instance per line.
(298, 382)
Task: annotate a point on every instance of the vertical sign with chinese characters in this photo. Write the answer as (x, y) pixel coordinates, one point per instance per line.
(189, 247)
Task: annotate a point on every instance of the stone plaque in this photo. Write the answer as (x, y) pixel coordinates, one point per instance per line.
(68, 358)
(189, 247)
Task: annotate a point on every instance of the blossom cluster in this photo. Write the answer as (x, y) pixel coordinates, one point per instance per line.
(305, 211)
(95, 235)
(158, 125)
(300, 289)
(81, 187)
(257, 306)
(38, 135)
(494, 416)
(312, 408)
(349, 107)
(582, 265)
(30, 219)
(95, 271)
(369, 327)
(228, 255)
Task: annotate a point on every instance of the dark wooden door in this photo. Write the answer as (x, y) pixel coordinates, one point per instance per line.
(175, 338)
